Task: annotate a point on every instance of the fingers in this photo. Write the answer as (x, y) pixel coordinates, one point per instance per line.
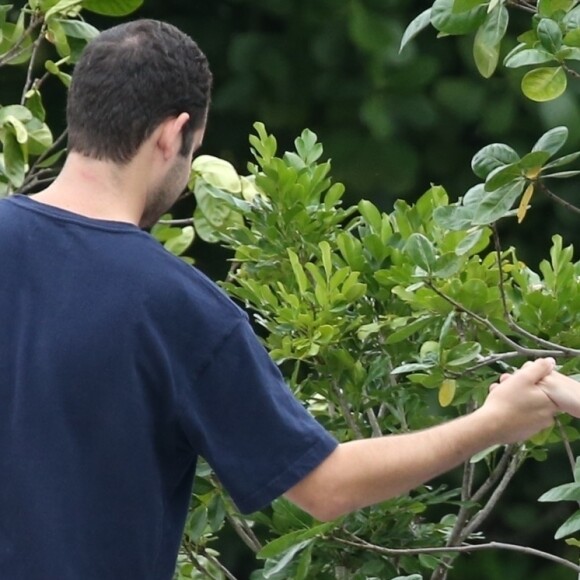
(535, 371)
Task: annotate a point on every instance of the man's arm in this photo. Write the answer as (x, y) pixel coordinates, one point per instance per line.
(368, 471)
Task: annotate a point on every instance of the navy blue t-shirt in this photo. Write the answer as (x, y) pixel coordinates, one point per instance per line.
(119, 364)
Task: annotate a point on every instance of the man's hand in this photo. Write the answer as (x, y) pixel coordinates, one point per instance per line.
(518, 406)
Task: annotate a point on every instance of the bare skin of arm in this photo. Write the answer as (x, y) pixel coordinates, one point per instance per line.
(368, 471)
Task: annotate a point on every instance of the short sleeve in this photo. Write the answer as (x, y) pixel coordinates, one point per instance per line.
(243, 419)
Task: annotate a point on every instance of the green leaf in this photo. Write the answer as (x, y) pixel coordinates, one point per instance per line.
(14, 160)
(552, 141)
(568, 53)
(371, 215)
(491, 157)
(217, 172)
(502, 176)
(62, 7)
(463, 354)
(444, 19)
(528, 56)
(280, 545)
(566, 492)
(17, 111)
(418, 24)
(196, 523)
(571, 525)
(112, 7)
(565, 160)
(405, 331)
(299, 273)
(285, 560)
(483, 454)
(178, 244)
(496, 204)
(421, 251)
(544, 84)
(454, 217)
(79, 29)
(547, 8)
(487, 42)
(550, 35)
(572, 38)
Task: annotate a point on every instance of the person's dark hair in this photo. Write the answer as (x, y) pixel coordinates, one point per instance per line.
(130, 79)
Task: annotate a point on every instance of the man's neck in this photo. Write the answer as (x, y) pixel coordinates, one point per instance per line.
(95, 189)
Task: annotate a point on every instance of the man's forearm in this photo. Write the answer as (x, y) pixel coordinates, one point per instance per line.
(368, 471)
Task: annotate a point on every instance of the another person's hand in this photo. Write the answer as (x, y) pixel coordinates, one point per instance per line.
(562, 390)
(519, 406)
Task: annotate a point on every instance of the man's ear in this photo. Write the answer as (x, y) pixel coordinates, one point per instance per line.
(169, 137)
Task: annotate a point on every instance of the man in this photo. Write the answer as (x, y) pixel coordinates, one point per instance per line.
(120, 364)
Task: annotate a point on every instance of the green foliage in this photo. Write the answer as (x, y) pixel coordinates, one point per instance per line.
(554, 38)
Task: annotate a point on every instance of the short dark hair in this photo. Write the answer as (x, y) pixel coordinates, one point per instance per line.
(131, 78)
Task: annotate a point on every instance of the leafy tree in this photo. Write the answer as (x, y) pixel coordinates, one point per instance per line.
(382, 322)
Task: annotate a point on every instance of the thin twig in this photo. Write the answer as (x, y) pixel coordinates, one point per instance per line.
(484, 512)
(245, 533)
(530, 352)
(177, 222)
(375, 427)
(218, 564)
(346, 412)
(52, 149)
(359, 543)
(197, 564)
(567, 446)
(496, 474)
(558, 199)
(36, 45)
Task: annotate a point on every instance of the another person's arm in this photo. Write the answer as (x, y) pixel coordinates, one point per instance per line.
(368, 471)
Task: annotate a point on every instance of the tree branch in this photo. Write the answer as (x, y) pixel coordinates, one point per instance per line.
(346, 413)
(466, 548)
(557, 198)
(245, 533)
(484, 512)
(28, 83)
(522, 350)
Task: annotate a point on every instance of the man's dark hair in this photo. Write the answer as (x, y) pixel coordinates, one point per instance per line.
(130, 79)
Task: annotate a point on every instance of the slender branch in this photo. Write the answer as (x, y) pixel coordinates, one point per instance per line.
(346, 412)
(522, 6)
(483, 513)
(36, 45)
(496, 474)
(530, 352)
(567, 446)
(490, 360)
(466, 548)
(571, 71)
(245, 533)
(36, 182)
(557, 198)
(34, 169)
(177, 222)
(375, 427)
(197, 564)
(218, 564)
